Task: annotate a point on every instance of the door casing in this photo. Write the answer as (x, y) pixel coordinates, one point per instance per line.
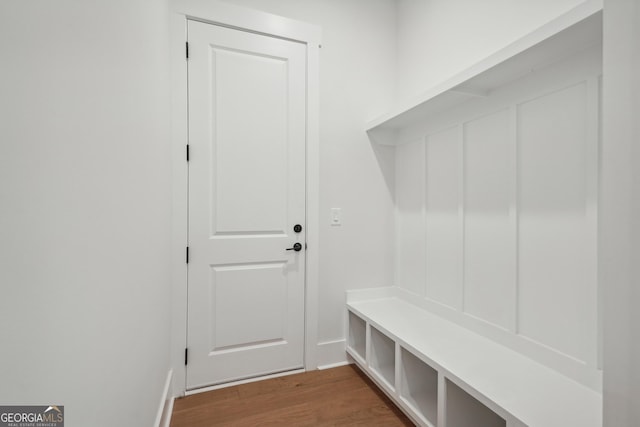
(224, 14)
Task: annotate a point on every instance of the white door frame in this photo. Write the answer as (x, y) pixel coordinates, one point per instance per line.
(264, 23)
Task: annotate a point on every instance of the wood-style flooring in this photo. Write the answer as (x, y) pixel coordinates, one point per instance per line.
(341, 396)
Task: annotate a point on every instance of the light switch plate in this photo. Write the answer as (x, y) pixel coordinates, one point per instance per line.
(336, 216)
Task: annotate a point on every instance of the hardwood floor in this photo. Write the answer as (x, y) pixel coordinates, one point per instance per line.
(341, 396)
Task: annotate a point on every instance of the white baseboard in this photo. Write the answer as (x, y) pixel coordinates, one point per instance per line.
(334, 365)
(163, 417)
(332, 354)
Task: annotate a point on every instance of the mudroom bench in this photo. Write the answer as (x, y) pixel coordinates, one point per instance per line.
(443, 375)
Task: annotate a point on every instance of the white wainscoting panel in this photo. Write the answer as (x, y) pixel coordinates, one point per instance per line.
(497, 215)
(443, 218)
(489, 257)
(410, 188)
(553, 230)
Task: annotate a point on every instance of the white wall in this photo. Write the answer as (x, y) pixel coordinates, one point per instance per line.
(620, 220)
(438, 38)
(356, 84)
(85, 208)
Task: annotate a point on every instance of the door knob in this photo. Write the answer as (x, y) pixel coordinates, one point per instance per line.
(296, 247)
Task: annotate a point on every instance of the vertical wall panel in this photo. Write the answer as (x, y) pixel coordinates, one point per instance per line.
(489, 261)
(443, 231)
(554, 233)
(410, 169)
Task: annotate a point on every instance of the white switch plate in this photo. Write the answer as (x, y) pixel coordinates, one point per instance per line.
(336, 216)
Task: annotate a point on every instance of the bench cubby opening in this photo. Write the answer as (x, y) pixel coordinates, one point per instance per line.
(463, 410)
(382, 358)
(419, 386)
(357, 336)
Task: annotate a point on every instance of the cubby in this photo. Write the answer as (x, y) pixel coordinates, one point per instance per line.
(357, 336)
(383, 357)
(419, 386)
(463, 410)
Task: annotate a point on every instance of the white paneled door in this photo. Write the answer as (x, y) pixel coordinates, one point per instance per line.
(247, 132)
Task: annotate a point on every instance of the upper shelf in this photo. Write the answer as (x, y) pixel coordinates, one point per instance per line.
(570, 33)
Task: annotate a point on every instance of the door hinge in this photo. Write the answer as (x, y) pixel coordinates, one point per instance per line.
(187, 152)
(187, 254)
(187, 49)
(186, 356)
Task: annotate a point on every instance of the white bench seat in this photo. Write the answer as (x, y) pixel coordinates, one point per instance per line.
(518, 389)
